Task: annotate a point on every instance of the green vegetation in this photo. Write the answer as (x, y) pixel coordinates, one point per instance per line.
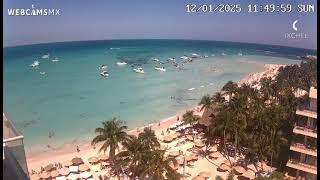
(190, 118)
(260, 120)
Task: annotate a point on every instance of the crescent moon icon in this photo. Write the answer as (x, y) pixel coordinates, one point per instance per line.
(294, 25)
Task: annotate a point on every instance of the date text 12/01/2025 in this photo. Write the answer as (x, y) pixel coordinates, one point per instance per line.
(251, 8)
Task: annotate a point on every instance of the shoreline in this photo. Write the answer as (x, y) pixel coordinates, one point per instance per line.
(68, 151)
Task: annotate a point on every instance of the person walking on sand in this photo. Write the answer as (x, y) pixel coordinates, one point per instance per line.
(178, 118)
(78, 150)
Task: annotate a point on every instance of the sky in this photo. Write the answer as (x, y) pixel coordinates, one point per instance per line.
(146, 19)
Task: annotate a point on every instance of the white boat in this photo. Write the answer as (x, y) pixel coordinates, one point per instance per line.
(104, 74)
(156, 59)
(184, 57)
(103, 67)
(160, 69)
(191, 89)
(213, 55)
(46, 56)
(171, 59)
(121, 63)
(43, 73)
(139, 70)
(35, 64)
(206, 56)
(195, 55)
(55, 59)
(223, 54)
(240, 53)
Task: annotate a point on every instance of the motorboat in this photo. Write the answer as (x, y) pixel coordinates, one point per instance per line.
(156, 59)
(55, 59)
(46, 56)
(139, 70)
(104, 74)
(121, 63)
(103, 67)
(206, 56)
(43, 73)
(171, 59)
(35, 64)
(160, 69)
(223, 54)
(184, 57)
(195, 55)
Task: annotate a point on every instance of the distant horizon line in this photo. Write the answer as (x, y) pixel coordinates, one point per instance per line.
(55, 42)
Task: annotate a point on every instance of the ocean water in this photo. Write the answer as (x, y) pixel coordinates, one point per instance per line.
(73, 99)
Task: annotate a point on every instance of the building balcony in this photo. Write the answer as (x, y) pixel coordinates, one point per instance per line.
(306, 131)
(302, 166)
(301, 148)
(306, 112)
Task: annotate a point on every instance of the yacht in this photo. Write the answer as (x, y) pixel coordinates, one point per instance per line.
(104, 74)
(35, 64)
(139, 70)
(46, 56)
(121, 63)
(43, 73)
(103, 67)
(55, 59)
(156, 59)
(195, 55)
(160, 69)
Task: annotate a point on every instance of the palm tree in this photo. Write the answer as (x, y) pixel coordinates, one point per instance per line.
(159, 167)
(190, 118)
(111, 134)
(149, 138)
(133, 155)
(219, 178)
(230, 175)
(230, 88)
(218, 98)
(206, 105)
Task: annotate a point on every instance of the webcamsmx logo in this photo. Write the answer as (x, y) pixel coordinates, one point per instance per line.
(296, 34)
(34, 12)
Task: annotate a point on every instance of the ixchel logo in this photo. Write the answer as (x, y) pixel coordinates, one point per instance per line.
(296, 34)
(33, 11)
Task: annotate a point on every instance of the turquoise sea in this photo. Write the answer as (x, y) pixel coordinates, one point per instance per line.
(72, 98)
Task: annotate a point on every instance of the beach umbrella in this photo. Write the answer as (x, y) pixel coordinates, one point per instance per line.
(189, 137)
(49, 167)
(174, 167)
(194, 157)
(64, 171)
(189, 158)
(93, 159)
(73, 168)
(174, 153)
(223, 167)
(85, 175)
(167, 139)
(239, 170)
(54, 173)
(67, 163)
(245, 175)
(174, 135)
(205, 174)
(103, 157)
(199, 144)
(83, 168)
(35, 177)
(73, 176)
(214, 155)
(212, 149)
(227, 162)
(45, 175)
(179, 134)
(198, 178)
(61, 178)
(77, 161)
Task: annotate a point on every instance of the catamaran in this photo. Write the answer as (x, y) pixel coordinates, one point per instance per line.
(35, 64)
(139, 70)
